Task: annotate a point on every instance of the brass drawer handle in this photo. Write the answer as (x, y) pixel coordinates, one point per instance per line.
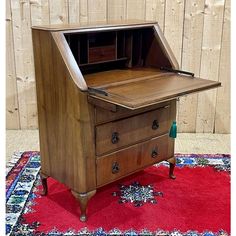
(115, 137)
(155, 125)
(154, 153)
(115, 168)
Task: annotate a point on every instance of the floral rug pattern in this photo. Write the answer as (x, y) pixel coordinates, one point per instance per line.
(22, 181)
(137, 194)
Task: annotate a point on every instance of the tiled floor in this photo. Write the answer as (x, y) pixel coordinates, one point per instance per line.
(27, 140)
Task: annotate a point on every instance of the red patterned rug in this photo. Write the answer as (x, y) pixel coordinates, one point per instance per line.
(197, 203)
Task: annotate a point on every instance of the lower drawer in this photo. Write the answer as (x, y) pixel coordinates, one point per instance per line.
(114, 166)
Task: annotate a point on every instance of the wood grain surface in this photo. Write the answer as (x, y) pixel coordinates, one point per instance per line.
(141, 127)
(67, 147)
(155, 89)
(131, 159)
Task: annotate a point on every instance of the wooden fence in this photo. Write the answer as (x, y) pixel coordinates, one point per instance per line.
(198, 32)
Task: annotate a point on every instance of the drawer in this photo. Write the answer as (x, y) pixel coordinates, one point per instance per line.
(104, 53)
(124, 132)
(107, 112)
(119, 164)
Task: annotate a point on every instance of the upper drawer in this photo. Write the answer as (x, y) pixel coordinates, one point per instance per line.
(107, 112)
(114, 135)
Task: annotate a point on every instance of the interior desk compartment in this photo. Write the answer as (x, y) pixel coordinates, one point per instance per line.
(104, 53)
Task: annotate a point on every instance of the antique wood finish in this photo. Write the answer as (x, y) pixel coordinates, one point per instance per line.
(106, 112)
(172, 163)
(62, 108)
(119, 164)
(145, 92)
(96, 25)
(116, 134)
(121, 76)
(83, 199)
(44, 178)
(69, 61)
(105, 107)
(97, 54)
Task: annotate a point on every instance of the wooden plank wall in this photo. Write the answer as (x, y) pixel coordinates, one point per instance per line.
(198, 32)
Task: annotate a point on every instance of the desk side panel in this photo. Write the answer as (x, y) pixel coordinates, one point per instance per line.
(65, 119)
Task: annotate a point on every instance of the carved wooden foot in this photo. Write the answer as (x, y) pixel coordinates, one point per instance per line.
(172, 163)
(44, 183)
(83, 199)
(171, 172)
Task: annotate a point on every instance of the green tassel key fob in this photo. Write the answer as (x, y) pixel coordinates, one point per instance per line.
(173, 130)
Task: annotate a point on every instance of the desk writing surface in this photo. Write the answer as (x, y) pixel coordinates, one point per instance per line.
(153, 89)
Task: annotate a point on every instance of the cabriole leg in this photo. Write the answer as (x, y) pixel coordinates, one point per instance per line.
(44, 183)
(83, 199)
(172, 162)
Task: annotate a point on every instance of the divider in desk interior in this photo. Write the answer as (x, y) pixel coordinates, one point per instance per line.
(132, 48)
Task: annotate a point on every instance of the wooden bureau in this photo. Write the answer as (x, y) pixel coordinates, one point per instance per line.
(106, 95)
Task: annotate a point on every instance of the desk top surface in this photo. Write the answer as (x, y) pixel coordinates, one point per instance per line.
(90, 25)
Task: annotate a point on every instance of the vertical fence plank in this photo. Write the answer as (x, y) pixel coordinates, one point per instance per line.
(83, 10)
(39, 15)
(12, 110)
(39, 12)
(211, 44)
(222, 118)
(74, 11)
(155, 10)
(58, 11)
(116, 9)
(136, 9)
(191, 60)
(97, 10)
(24, 63)
(173, 30)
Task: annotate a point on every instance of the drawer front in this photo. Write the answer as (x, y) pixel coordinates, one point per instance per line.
(122, 163)
(106, 53)
(114, 135)
(107, 112)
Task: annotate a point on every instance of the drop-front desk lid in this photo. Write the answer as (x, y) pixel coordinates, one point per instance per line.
(148, 90)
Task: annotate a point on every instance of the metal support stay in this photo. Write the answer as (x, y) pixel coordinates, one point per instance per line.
(96, 90)
(177, 71)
